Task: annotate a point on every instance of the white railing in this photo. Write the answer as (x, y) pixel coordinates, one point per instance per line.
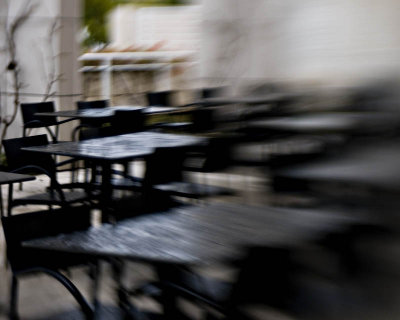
(159, 61)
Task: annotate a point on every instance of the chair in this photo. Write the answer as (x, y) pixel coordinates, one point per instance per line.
(39, 163)
(215, 157)
(125, 121)
(32, 121)
(89, 128)
(164, 172)
(211, 92)
(164, 175)
(165, 99)
(160, 98)
(25, 261)
(266, 276)
(94, 104)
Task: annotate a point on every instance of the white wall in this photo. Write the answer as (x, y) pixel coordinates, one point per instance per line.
(314, 41)
(176, 27)
(40, 56)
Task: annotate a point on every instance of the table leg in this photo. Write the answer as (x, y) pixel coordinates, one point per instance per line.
(10, 197)
(168, 299)
(106, 192)
(95, 273)
(1, 203)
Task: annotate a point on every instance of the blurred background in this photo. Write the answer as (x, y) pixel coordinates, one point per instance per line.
(330, 141)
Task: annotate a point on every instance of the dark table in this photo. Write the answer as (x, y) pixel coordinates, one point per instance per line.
(193, 235)
(375, 166)
(246, 100)
(199, 235)
(105, 113)
(11, 178)
(117, 149)
(331, 122)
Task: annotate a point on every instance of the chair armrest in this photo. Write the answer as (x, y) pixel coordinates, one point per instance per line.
(86, 309)
(54, 184)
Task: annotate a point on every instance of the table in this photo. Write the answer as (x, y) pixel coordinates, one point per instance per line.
(117, 149)
(105, 113)
(372, 166)
(198, 235)
(344, 122)
(246, 100)
(193, 235)
(11, 178)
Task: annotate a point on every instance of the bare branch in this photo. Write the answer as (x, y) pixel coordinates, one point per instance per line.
(52, 77)
(13, 65)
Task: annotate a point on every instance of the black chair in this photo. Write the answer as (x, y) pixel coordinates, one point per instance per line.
(38, 163)
(215, 157)
(165, 99)
(93, 104)
(89, 128)
(164, 173)
(211, 92)
(32, 121)
(160, 98)
(25, 261)
(266, 276)
(125, 121)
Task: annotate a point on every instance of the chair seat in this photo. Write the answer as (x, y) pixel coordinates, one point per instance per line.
(192, 190)
(211, 289)
(52, 198)
(40, 124)
(217, 292)
(172, 125)
(126, 183)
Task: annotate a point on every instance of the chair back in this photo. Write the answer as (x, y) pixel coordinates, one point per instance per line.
(94, 104)
(203, 120)
(18, 159)
(218, 155)
(90, 123)
(266, 276)
(160, 98)
(211, 92)
(29, 110)
(127, 121)
(164, 165)
(33, 225)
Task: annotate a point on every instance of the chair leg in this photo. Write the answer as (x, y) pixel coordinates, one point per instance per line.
(52, 135)
(86, 309)
(14, 298)
(1, 203)
(10, 198)
(94, 273)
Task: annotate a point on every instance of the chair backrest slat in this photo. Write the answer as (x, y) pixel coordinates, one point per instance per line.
(29, 110)
(18, 158)
(33, 225)
(164, 165)
(160, 98)
(94, 104)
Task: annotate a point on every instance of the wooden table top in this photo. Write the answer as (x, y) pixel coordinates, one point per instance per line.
(122, 147)
(371, 166)
(106, 113)
(328, 122)
(196, 235)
